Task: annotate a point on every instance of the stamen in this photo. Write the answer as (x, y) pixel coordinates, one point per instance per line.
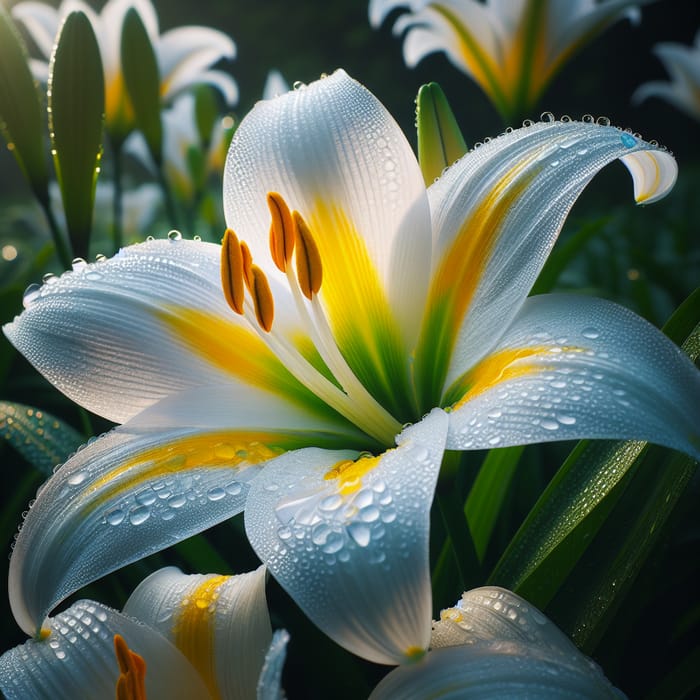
(131, 684)
(308, 259)
(282, 231)
(262, 298)
(232, 271)
(247, 266)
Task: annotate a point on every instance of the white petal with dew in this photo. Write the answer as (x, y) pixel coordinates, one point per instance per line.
(498, 671)
(504, 204)
(106, 334)
(125, 495)
(332, 144)
(354, 554)
(220, 623)
(579, 367)
(77, 659)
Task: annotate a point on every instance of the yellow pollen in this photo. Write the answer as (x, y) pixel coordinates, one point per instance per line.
(44, 633)
(308, 259)
(349, 474)
(262, 298)
(414, 654)
(131, 684)
(247, 266)
(282, 231)
(232, 271)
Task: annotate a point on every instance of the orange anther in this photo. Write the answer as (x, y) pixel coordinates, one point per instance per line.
(308, 259)
(282, 231)
(262, 298)
(131, 684)
(232, 271)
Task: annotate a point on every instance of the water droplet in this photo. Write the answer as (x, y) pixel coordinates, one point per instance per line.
(549, 424)
(591, 333)
(78, 264)
(495, 440)
(331, 503)
(31, 294)
(495, 413)
(177, 501)
(115, 517)
(146, 498)
(566, 420)
(526, 123)
(100, 257)
(298, 84)
(284, 532)
(547, 117)
(565, 118)
(77, 478)
(233, 488)
(363, 498)
(174, 235)
(602, 121)
(320, 533)
(93, 276)
(216, 493)
(167, 514)
(628, 141)
(588, 119)
(369, 513)
(334, 543)
(139, 515)
(360, 533)
(60, 654)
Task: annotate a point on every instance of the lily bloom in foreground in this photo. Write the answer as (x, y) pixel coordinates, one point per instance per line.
(495, 644)
(184, 54)
(279, 375)
(512, 49)
(683, 66)
(178, 636)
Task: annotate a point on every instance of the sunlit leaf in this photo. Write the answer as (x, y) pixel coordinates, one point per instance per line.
(142, 80)
(21, 115)
(440, 141)
(76, 104)
(488, 494)
(41, 438)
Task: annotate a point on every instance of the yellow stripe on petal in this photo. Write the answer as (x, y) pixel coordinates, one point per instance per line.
(459, 274)
(349, 473)
(233, 349)
(194, 632)
(354, 298)
(220, 450)
(500, 367)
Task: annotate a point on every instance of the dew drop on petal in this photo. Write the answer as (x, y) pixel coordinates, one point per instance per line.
(590, 332)
(334, 543)
(549, 424)
(216, 493)
(139, 515)
(360, 533)
(174, 235)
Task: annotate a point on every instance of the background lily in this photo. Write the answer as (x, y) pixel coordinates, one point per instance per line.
(195, 636)
(683, 66)
(375, 303)
(184, 54)
(512, 49)
(494, 644)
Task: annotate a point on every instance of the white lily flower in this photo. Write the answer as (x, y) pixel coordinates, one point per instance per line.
(374, 304)
(683, 66)
(511, 48)
(178, 636)
(184, 54)
(494, 644)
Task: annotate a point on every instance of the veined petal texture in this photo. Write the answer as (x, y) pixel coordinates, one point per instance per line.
(124, 496)
(220, 623)
(494, 644)
(497, 213)
(571, 367)
(348, 539)
(77, 659)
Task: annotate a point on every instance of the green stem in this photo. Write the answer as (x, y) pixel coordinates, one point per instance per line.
(63, 247)
(170, 210)
(118, 203)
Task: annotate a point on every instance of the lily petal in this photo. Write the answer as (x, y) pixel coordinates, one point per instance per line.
(220, 623)
(77, 659)
(270, 682)
(115, 338)
(571, 367)
(494, 644)
(128, 494)
(183, 53)
(337, 156)
(349, 540)
(496, 215)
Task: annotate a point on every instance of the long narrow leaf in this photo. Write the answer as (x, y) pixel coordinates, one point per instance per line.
(21, 119)
(76, 112)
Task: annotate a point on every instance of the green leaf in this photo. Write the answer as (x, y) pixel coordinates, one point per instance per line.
(21, 114)
(142, 80)
(440, 141)
(588, 493)
(41, 438)
(76, 107)
(206, 112)
(488, 494)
